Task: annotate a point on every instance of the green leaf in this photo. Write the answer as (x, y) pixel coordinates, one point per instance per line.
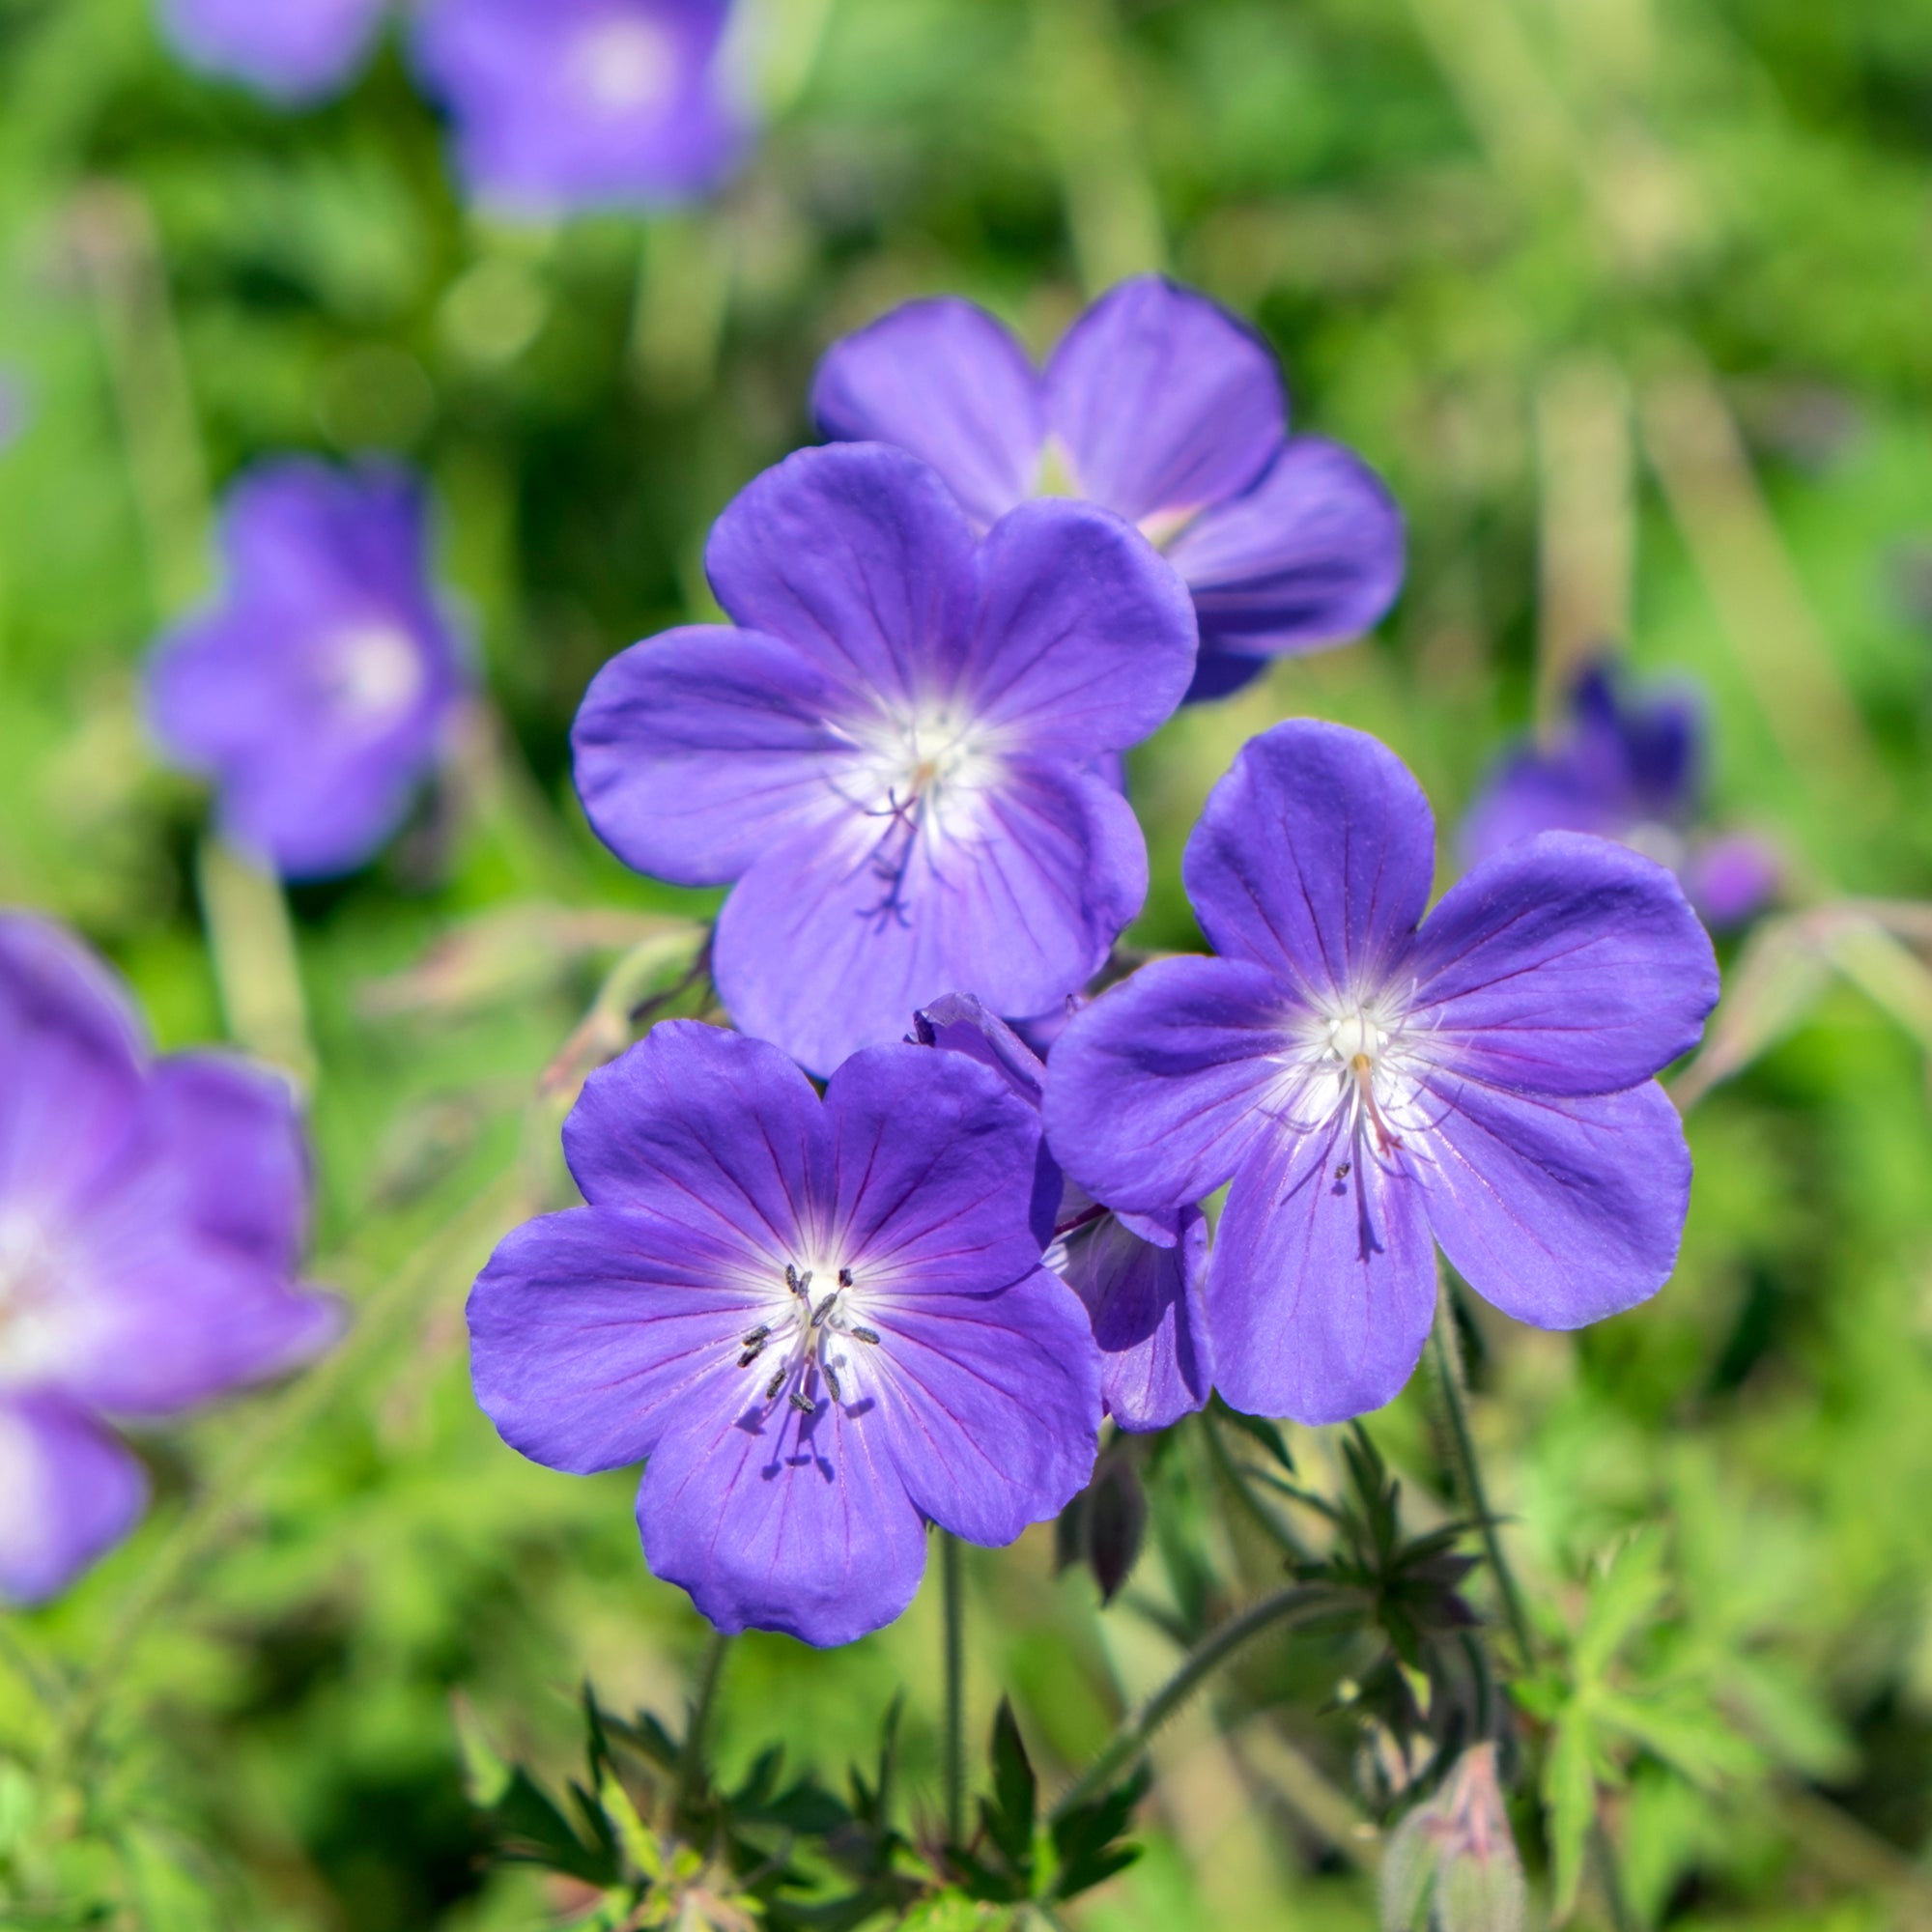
(1009, 1818)
(1626, 1596)
(1569, 1791)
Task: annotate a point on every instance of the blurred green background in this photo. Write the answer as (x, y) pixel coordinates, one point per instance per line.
(1631, 301)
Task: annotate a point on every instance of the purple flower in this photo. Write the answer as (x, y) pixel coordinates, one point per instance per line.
(152, 1217)
(318, 693)
(824, 1325)
(574, 103)
(893, 755)
(291, 50)
(1160, 405)
(1364, 1084)
(1632, 770)
(1139, 1276)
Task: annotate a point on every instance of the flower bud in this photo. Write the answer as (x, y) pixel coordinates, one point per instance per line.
(1452, 1865)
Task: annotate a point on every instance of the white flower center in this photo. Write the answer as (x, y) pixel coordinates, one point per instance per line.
(1361, 1057)
(624, 64)
(920, 779)
(809, 1350)
(373, 674)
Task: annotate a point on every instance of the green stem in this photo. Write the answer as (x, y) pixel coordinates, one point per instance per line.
(208, 1519)
(1446, 1357)
(257, 969)
(1201, 1662)
(953, 1594)
(704, 1700)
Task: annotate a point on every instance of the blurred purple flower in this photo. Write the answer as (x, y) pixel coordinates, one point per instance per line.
(318, 692)
(290, 50)
(1162, 406)
(1632, 769)
(152, 1214)
(893, 757)
(1364, 1084)
(560, 105)
(1139, 1276)
(822, 1326)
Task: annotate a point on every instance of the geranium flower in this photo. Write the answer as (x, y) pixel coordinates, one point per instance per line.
(560, 105)
(1162, 406)
(822, 1326)
(1364, 1079)
(291, 50)
(318, 692)
(1139, 1276)
(151, 1217)
(1632, 769)
(894, 754)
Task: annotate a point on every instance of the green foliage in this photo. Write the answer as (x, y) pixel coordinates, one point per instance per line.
(321, 1688)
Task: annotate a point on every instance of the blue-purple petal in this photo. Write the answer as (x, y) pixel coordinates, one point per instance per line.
(1148, 1316)
(991, 1403)
(68, 1492)
(944, 379)
(1313, 858)
(856, 556)
(1083, 641)
(1313, 554)
(833, 942)
(1566, 965)
(565, 104)
(711, 1131)
(779, 1522)
(1559, 1210)
(291, 51)
(1156, 1091)
(1163, 400)
(695, 750)
(1324, 1282)
(590, 1330)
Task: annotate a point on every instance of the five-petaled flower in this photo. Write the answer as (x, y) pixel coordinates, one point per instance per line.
(1632, 769)
(1160, 405)
(319, 693)
(293, 51)
(1139, 1276)
(821, 1324)
(894, 754)
(1364, 1079)
(560, 105)
(151, 1217)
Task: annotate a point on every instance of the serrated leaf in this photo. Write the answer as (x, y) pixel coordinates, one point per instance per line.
(1624, 1598)
(1686, 1734)
(1569, 1791)
(1009, 1818)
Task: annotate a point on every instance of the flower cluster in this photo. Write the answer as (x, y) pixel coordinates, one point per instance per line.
(823, 1324)
(1632, 769)
(556, 104)
(152, 1214)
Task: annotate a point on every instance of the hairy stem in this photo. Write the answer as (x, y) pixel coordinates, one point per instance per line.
(1446, 1358)
(952, 1592)
(1199, 1663)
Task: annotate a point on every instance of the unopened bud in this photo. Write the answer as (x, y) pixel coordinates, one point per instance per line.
(1452, 1865)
